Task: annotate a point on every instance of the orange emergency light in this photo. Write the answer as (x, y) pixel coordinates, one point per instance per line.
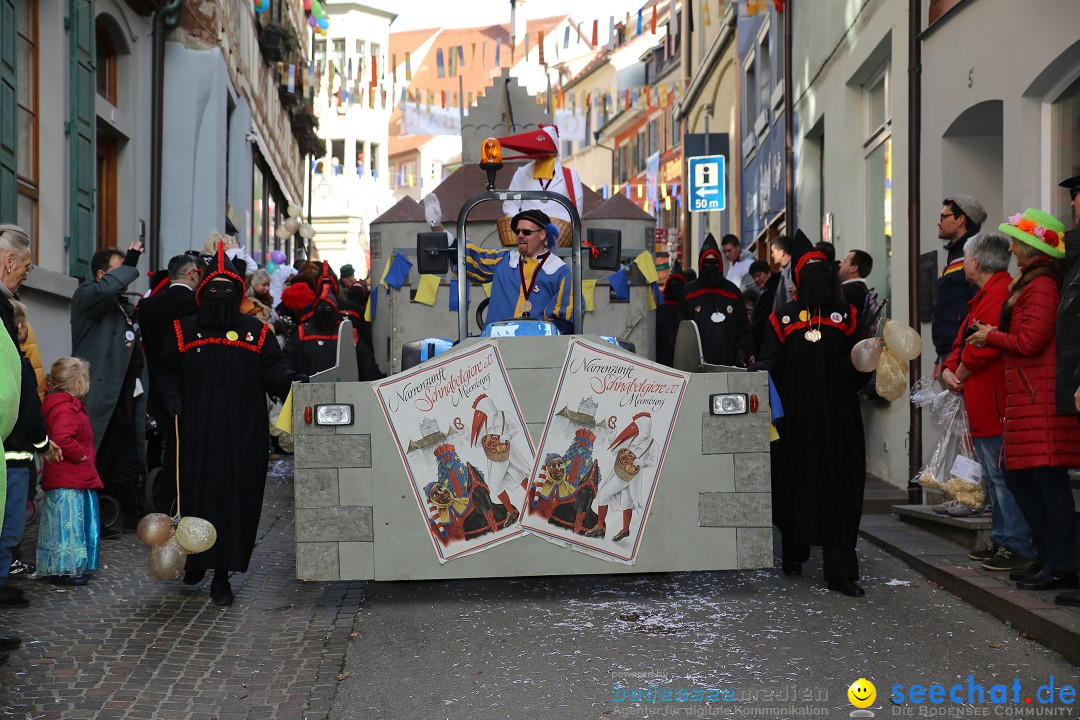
(491, 160)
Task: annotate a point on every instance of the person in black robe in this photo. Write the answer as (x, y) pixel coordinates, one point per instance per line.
(819, 461)
(213, 376)
(669, 314)
(717, 306)
(313, 347)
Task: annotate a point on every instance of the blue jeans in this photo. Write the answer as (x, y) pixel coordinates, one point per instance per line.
(18, 483)
(1008, 527)
(1045, 498)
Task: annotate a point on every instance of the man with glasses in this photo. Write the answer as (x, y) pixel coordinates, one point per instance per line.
(15, 265)
(961, 217)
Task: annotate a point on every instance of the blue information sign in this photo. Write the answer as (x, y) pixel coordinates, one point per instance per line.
(705, 186)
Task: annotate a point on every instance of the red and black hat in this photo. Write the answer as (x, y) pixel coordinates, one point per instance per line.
(327, 275)
(327, 294)
(709, 249)
(221, 267)
(802, 254)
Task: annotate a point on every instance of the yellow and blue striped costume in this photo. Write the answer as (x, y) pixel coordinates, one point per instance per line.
(552, 297)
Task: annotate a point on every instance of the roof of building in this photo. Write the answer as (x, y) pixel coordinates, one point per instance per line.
(617, 207)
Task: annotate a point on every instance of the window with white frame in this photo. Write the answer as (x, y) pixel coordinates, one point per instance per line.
(878, 147)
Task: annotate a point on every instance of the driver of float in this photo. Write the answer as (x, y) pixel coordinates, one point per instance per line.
(529, 281)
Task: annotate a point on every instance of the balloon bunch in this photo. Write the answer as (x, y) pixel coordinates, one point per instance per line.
(889, 355)
(261, 6)
(317, 18)
(172, 539)
(289, 227)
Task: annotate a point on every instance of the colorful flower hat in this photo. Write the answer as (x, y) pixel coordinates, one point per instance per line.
(1037, 229)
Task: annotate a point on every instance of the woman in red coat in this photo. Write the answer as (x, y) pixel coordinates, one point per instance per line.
(1040, 445)
(979, 373)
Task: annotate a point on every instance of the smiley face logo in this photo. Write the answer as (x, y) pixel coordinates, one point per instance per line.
(862, 693)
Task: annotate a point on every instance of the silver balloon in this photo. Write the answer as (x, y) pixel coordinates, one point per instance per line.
(167, 560)
(865, 354)
(154, 529)
(196, 535)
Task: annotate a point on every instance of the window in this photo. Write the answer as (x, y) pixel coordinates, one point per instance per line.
(339, 55)
(106, 64)
(654, 137)
(764, 74)
(877, 113)
(676, 135)
(360, 45)
(375, 160)
(376, 52)
(337, 155)
(27, 121)
(1065, 160)
(878, 153)
(318, 53)
(750, 97)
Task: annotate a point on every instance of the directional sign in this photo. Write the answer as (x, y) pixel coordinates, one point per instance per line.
(706, 187)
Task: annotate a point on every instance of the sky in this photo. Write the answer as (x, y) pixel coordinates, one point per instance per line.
(420, 14)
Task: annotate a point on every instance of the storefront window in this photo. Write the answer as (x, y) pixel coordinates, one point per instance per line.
(258, 226)
(1065, 130)
(879, 217)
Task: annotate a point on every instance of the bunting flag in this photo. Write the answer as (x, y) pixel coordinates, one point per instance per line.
(487, 288)
(427, 290)
(620, 285)
(595, 33)
(654, 17)
(656, 296)
(611, 32)
(639, 26)
(461, 56)
(705, 19)
(540, 46)
(454, 292)
(408, 66)
(588, 289)
(440, 67)
(374, 71)
(292, 78)
(369, 310)
(566, 39)
(472, 57)
(498, 47)
(452, 53)
(647, 266)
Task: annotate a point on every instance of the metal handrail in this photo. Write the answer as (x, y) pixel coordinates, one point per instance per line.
(502, 196)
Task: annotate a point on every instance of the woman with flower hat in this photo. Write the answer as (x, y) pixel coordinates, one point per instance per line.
(1040, 445)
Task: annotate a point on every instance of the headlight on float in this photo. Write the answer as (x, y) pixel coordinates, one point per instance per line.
(728, 404)
(338, 414)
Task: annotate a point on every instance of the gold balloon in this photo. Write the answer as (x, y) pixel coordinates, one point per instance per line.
(865, 354)
(195, 535)
(167, 560)
(155, 528)
(902, 341)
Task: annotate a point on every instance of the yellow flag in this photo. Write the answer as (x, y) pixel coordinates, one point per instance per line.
(367, 311)
(588, 289)
(652, 299)
(386, 269)
(487, 289)
(773, 434)
(425, 292)
(645, 264)
(284, 421)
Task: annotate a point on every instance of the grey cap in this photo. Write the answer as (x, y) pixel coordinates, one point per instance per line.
(970, 207)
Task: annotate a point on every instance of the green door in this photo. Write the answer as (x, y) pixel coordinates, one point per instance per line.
(8, 111)
(81, 130)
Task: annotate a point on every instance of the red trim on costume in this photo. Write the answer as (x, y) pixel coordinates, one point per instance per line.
(708, 254)
(255, 346)
(846, 328)
(220, 270)
(776, 326)
(712, 291)
(812, 255)
(324, 275)
(305, 336)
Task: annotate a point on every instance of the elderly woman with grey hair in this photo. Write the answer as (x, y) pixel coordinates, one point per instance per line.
(979, 373)
(257, 300)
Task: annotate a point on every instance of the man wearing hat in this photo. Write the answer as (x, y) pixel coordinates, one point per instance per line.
(1068, 334)
(961, 217)
(544, 172)
(347, 277)
(669, 314)
(529, 281)
(716, 305)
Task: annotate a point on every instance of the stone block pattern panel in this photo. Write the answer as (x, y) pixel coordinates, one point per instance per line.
(333, 451)
(334, 524)
(734, 510)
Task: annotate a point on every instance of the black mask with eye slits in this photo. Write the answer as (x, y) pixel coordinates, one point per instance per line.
(326, 317)
(219, 304)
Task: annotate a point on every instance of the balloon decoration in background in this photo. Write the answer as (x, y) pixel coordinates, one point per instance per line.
(195, 535)
(278, 256)
(902, 341)
(888, 355)
(290, 226)
(865, 354)
(261, 6)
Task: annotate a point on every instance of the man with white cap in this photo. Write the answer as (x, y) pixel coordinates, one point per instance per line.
(961, 217)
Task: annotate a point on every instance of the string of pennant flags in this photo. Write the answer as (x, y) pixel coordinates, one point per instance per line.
(354, 86)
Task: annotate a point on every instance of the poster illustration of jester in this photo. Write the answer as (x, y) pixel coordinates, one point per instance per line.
(463, 440)
(602, 449)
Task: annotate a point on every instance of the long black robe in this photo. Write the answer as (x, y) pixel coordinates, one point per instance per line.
(312, 349)
(819, 462)
(720, 313)
(221, 387)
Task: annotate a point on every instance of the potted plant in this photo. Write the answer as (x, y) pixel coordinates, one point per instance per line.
(272, 42)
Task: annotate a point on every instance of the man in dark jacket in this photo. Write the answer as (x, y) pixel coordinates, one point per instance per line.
(669, 314)
(961, 217)
(104, 332)
(716, 306)
(1068, 335)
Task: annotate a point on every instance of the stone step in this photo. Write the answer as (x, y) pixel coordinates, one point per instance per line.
(970, 532)
(880, 496)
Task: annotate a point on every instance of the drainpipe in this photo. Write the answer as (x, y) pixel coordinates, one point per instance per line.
(165, 20)
(596, 141)
(789, 126)
(914, 203)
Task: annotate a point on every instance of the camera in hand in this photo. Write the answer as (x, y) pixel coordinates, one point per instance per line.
(972, 329)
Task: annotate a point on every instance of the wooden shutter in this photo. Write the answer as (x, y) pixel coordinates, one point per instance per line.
(8, 111)
(81, 130)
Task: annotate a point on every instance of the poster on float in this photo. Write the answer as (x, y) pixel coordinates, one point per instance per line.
(602, 450)
(466, 451)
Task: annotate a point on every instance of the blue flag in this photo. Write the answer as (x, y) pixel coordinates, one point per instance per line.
(657, 293)
(620, 284)
(398, 272)
(453, 295)
(774, 402)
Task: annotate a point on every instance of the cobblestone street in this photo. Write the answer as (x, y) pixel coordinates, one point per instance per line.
(129, 646)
